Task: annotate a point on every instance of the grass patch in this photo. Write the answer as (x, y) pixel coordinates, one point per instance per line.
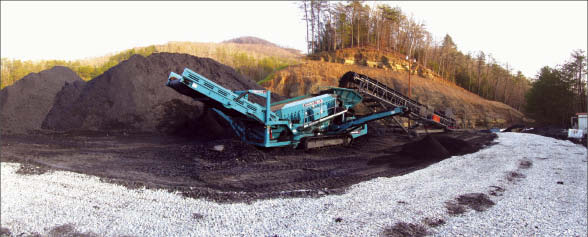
(269, 76)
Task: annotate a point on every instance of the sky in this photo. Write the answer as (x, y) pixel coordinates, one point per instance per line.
(527, 35)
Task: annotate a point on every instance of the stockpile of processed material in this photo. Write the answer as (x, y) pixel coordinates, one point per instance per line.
(130, 97)
(25, 104)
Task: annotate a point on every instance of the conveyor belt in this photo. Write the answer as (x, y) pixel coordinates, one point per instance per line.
(375, 90)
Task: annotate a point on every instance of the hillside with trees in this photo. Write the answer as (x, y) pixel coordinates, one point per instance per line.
(332, 26)
(252, 57)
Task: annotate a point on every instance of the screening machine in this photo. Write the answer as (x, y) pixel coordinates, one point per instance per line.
(308, 121)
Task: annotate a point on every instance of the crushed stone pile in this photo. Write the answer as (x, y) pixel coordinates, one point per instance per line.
(25, 104)
(132, 97)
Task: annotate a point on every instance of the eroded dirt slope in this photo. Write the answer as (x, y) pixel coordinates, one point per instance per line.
(471, 110)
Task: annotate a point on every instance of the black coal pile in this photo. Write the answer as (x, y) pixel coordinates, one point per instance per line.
(24, 105)
(455, 146)
(437, 147)
(63, 104)
(427, 148)
(132, 97)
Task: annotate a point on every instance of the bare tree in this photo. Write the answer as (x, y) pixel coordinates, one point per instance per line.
(304, 6)
(481, 61)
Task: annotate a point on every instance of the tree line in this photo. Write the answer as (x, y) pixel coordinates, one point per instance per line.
(254, 65)
(560, 92)
(353, 24)
(14, 69)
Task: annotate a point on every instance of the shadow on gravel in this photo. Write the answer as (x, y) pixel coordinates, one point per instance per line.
(403, 229)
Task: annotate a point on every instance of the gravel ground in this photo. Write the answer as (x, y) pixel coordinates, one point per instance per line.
(538, 185)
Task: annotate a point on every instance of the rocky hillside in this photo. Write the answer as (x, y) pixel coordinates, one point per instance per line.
(373, 58)
(470, 109)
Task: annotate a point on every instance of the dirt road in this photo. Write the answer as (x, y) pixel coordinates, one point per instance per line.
(239, 173)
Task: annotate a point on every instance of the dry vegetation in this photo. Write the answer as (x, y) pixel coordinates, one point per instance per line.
(255, 61)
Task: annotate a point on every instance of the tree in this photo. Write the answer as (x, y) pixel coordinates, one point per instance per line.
(549, 100)
(304, 6)
(481, 60)
(574, 72)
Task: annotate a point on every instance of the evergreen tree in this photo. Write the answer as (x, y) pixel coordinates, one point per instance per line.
(550, 100)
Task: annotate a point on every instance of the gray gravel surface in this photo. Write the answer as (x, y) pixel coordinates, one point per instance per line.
(531, 202)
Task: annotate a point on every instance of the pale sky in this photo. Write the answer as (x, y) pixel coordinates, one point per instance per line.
(527, 35)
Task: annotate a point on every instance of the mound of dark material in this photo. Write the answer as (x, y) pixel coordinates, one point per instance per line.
(438, 147)
(24, 105)
(427, 148)
(455, 146)
(63, 104)
(132, 96)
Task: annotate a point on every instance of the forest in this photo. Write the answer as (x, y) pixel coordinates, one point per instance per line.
(337, 25)
(560, 92)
